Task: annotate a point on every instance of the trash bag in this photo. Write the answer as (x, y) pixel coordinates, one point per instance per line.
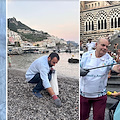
(54, 83)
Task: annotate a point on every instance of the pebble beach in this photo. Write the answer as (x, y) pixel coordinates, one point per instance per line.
(23, 105)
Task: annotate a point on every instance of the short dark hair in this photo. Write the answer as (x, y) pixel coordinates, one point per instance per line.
(54, 54)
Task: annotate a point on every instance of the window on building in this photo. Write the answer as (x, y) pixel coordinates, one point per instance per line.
(111, 22)
(98, 25)
(89, 22)
(102, 20)
(92, 25)
(115, 23)
(119, 22)
(89, 25)
(115, 18)
(98, 4)
(101, 24)
(92, 5)
(105, 24)
(86, 27)
(95, 4)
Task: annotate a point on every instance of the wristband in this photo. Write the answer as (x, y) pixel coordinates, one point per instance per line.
(54, 97)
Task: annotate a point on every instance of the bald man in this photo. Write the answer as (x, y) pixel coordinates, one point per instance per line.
(93, 83)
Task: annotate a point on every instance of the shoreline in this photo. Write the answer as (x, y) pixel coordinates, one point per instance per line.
(22, 104)
(58, 76)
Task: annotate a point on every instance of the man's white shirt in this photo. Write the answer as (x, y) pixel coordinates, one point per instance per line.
(90, 46)
(95, 82)
(41, 66)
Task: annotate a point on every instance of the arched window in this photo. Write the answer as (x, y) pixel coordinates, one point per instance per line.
(89, 22)
(98, 25)
(101, 24)
(105, 24)
(111, 22)
(115, 23)
(86, 27)
(115, 18)
(92, 25)
(98, 4)
(92, 5)
(119, 22)
(89, 25)
(102, 20)
(95, 4)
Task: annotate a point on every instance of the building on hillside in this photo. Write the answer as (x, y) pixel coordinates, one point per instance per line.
(99, 19)
(24, 31)
(13, 38)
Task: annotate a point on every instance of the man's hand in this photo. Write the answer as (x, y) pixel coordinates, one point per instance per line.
(83, 72)
(116, 68)
(57, 101)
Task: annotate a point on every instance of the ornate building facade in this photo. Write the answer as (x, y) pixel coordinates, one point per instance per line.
(99, 19)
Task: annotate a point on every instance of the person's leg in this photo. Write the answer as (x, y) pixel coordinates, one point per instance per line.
(99, 106)
(85, 106)
(38, 80)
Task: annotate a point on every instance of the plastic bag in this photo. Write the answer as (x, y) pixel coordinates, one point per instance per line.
(54, 83)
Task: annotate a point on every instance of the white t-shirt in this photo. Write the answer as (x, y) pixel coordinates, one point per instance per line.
(94, 83)
(90, 46)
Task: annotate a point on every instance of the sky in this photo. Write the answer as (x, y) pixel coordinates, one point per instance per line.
(56, 17)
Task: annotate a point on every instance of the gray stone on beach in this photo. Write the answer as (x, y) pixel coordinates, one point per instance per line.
(23, 105)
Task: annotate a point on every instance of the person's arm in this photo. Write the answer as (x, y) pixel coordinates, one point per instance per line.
(50, 91)
(46, 84)
(116, 68)
(115, 94)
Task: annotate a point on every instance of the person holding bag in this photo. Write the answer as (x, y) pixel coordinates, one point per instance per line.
(40, 72)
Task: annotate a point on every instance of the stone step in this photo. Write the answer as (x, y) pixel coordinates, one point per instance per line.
(110, 86)
(114, 82)
(113, 89)
(115, 77)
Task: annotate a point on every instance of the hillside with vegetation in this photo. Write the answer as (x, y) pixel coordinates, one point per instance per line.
(26, 33)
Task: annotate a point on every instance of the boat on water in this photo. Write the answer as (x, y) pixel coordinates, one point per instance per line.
(72, 60)
(15, 50)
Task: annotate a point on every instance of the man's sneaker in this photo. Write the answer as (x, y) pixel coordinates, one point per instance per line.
(37, 94)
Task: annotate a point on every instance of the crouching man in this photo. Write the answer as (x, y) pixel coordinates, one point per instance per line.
(40, 72)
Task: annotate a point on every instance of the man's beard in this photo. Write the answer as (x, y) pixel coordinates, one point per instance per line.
(49, 62)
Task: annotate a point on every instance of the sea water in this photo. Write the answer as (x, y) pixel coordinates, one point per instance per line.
(63, 67)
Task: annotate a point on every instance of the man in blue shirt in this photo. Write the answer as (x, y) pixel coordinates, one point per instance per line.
(40, 72)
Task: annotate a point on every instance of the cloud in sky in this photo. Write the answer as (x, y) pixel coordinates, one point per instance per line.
(58, 18)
